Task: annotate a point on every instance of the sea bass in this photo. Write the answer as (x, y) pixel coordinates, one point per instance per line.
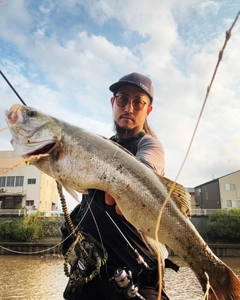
(81, 160)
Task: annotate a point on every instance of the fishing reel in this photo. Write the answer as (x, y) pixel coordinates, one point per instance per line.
(122, 278)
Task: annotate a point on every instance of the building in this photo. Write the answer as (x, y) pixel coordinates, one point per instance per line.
(220, 193)
(192, 194)
(23, 185)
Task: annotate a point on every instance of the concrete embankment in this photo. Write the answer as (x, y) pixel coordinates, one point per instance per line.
(52, 246)
(43, 247)
(221, 250)
(51, 243)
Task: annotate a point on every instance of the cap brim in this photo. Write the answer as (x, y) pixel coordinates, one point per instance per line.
(117, 85)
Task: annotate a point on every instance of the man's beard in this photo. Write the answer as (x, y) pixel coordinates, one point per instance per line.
(125, 133)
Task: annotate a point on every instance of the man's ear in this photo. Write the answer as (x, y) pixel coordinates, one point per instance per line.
(112, 100)
(149, 109)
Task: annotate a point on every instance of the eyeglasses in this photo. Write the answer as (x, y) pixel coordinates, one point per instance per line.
(137, 103)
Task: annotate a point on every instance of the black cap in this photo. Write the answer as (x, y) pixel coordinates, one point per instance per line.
(137, 79)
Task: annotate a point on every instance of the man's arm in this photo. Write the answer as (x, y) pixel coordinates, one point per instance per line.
(151, 153)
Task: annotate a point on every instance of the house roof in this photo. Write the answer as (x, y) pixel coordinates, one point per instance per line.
(216, 179)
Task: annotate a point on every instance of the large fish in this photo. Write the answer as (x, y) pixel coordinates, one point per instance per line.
(80, 160)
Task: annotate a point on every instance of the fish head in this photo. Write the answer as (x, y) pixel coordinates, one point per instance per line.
(32, 132)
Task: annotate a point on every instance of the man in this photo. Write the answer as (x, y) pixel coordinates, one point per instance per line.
(99, 216)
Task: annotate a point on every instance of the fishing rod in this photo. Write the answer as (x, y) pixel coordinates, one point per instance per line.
(5, 78)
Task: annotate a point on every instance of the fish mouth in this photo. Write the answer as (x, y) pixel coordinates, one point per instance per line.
(44, 150)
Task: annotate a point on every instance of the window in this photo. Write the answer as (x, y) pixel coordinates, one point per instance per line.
(3, 181)
(230, 186)
(29, 202)
(238, 204)
(206, 195)
(19, 181)
(198, 192)
(10, 180)
(231, 203)
(31, 180)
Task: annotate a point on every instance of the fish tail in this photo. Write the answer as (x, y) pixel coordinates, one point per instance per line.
(226, 288)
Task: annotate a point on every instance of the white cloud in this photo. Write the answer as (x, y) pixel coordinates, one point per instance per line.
(62, 56)
(211, 7)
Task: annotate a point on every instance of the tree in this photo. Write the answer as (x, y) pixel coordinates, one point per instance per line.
(223, 226)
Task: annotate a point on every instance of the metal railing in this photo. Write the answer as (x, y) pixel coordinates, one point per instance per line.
(202, 212)
(22, 212)
(18, 212)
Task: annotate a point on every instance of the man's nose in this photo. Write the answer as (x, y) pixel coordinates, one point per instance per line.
(129, 107)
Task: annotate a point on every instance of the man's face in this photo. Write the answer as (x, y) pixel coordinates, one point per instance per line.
(126, 116)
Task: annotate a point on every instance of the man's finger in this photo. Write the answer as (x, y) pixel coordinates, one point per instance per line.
(109, 199)
(118, 211)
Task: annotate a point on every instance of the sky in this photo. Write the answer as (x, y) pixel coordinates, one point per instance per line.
(62, 56)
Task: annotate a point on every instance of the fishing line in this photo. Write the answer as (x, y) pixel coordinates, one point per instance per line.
(220, 56)
(7, 128)
(13, 167)
(228, 34)
(5, 78)
(138, 257)
(30, 253)
(127, 241)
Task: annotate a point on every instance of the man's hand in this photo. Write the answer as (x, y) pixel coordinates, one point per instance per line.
(110, 201)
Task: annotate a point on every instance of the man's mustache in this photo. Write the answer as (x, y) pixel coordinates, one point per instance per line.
(127, 116)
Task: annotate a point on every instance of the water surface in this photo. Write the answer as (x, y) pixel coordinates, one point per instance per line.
(184, 285)
(39, 278)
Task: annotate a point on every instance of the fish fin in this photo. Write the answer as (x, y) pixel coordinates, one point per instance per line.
(180, 195)
(226, 288)
(154, 247)
(73, 192)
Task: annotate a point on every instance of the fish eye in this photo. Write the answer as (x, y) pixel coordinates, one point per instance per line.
(32, 113)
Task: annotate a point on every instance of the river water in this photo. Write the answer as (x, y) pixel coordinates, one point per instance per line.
(42, 278)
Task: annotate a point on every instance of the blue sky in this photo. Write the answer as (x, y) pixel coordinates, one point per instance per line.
(61, 57)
